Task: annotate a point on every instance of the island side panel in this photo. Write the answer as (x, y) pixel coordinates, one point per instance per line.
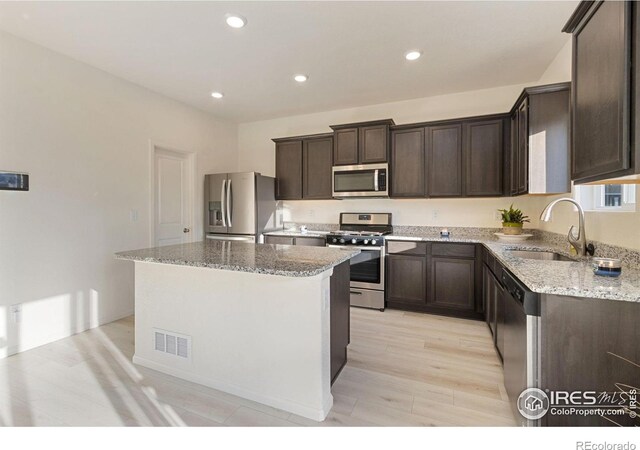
(340, 317)
(262, 337)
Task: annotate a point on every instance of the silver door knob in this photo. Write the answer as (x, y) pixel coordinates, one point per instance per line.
(186, 230)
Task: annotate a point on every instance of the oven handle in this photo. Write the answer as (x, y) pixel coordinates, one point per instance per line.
(360, 247)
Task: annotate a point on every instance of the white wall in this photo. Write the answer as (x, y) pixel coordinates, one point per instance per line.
(256, 152)
(83, 135)
(617, 228)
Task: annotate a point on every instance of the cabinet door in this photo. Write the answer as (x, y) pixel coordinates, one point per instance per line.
(483, 152)
(601, 92)
(317, 158)
(452, 283)
(406, 279)
(444, 160)
(345, 150)
(513, 156)
(374, 144)
(310, 241)
(499, 301)
(523, 148)
(289, 170)
(281, 240)
(407, 163)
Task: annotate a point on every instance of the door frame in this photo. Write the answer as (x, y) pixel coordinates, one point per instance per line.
(190, 158)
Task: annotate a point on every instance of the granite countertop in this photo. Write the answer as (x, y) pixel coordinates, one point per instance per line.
(284, 260)
(548, 277)
(298, 233)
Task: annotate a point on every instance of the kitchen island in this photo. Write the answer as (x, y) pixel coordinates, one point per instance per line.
(265, 322)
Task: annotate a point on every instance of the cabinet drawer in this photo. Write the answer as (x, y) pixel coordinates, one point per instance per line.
(310, 241)
(281, 240)
(407, 247)
(455, 250)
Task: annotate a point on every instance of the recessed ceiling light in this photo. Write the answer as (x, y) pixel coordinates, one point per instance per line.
(300, 78)
(217, 94)
(236, 21)
(413, 55)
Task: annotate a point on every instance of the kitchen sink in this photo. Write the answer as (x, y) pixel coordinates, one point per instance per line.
(542, 255)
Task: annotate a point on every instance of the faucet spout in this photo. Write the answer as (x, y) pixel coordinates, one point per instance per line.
(579, 241)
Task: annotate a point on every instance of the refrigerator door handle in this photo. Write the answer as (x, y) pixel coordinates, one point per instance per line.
(222, 202)
(229, 200)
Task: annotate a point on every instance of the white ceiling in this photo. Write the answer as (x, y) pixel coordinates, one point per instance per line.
(353, 52)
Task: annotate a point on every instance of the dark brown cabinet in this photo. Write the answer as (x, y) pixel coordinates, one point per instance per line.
(303, 167)
(439, 278)
(340, 317)
(345, 152)
(540, 126)
(407, 163)
(289, 170)
(317, 159)
(452, 283)
(604, 94)
(361, 143)
(406, 279)
(493, 299)
(444, 160)
(484, 157)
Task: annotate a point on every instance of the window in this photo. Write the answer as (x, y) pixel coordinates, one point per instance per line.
(607, 197)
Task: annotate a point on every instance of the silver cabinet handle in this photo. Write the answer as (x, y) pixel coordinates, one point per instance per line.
(222, 202)
(229, 199)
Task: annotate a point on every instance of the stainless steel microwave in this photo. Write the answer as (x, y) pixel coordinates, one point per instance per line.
(366, 180)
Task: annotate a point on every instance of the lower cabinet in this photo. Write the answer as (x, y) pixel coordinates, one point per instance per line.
(438, 278)
(406, 280)
(493, 299)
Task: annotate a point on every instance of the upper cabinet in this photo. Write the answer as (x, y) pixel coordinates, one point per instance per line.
(408, 163)
(540, 141)
(484, 157)
(604, 96)
(444, 160)
(361, 143)
(303, 167)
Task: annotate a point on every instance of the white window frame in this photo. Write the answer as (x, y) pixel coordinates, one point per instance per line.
(591, 198)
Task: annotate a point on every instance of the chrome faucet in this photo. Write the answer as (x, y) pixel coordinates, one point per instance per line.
(578, 242)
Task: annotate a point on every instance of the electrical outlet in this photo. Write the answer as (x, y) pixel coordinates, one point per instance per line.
(311, 213)
(497, 216)
(133, 215)
(15, 312)
(434, 214)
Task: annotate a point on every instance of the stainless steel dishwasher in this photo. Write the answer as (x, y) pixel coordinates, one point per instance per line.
(521, 341)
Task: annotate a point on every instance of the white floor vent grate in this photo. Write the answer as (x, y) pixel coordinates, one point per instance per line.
(172, 343)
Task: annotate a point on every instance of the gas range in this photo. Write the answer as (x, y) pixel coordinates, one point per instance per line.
(361, 229)
(366, 231)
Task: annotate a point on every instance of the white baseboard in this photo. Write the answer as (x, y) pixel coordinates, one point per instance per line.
(309, 412)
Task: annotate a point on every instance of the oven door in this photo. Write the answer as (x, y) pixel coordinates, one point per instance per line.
(367, 267)
(367, 180)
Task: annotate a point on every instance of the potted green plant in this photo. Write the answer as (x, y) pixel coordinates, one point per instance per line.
(512, 220)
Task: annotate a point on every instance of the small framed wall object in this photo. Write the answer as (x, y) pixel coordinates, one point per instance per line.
(14, 181)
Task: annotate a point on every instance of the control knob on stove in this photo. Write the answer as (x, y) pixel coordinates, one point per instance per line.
(366, 241)
(354, 240)
(342, 241)
(373, 242)
(334, 240)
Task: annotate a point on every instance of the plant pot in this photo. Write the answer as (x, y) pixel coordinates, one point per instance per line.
(511, 228)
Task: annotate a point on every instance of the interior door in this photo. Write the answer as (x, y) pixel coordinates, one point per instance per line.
(241, 203)
(173, 200)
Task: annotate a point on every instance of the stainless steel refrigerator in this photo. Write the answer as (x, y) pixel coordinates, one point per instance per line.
(240, 206)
